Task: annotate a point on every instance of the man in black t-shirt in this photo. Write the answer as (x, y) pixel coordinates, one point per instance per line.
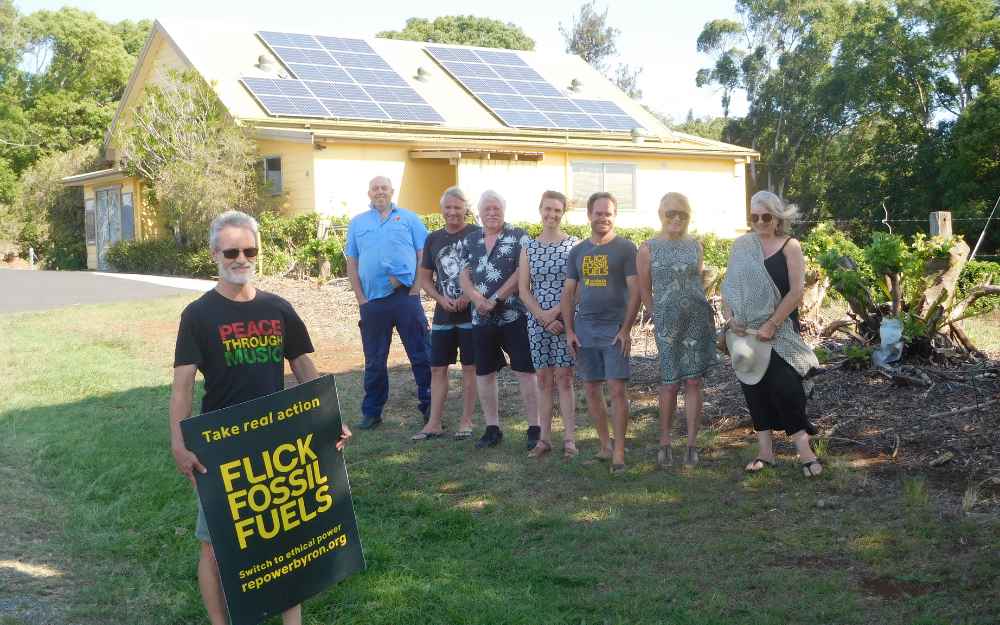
(451, 330)
(239, 338)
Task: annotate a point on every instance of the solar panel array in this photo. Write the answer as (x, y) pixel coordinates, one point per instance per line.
(521, 98)
(336, 77)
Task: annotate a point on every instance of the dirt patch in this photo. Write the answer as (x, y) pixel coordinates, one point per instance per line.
(889, 588)
(35, 578)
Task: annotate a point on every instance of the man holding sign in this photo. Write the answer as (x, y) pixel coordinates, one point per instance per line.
(239, 338)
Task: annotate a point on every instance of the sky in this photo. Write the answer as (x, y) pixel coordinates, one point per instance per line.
(658, 36)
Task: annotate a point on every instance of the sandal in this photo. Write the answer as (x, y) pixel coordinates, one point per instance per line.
(426, 436)
(807, 468)
(764, 464)
(664, 457)
(540, 449)
(617, 469)
(570, 450)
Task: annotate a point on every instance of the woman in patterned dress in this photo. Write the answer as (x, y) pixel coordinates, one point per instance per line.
(670, 268)
(541, 275)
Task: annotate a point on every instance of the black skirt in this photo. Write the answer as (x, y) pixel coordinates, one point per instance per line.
(778, 401)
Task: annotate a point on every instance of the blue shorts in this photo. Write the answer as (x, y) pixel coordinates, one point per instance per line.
(602, 363)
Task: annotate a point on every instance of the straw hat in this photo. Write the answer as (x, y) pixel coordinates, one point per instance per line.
(750, 356)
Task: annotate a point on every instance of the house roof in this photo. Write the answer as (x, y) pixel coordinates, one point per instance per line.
(223, 53)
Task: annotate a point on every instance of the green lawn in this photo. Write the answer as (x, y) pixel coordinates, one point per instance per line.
(455, 536)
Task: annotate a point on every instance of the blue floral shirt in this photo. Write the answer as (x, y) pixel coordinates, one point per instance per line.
(490, 270)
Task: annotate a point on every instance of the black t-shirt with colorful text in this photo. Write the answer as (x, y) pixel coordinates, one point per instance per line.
(240, 347)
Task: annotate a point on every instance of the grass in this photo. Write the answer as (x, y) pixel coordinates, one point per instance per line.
(453, 535)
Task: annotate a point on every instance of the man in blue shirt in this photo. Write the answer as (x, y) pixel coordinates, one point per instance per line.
(384, 246)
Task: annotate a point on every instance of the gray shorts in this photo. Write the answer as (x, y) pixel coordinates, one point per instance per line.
(602, 363)
(201, 526)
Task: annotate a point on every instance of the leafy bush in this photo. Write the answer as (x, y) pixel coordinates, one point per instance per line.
(975, 273)
(160, 256)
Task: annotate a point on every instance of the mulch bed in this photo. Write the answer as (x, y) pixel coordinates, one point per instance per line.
(862, 414)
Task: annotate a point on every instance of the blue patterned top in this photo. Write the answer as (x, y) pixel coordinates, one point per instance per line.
(489, 270)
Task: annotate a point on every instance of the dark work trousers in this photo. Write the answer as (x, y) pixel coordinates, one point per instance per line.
(402, 311)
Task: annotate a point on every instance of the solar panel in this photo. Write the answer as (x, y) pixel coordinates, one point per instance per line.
(325, 73)
(517, 73)
(412, 112)
(394, 94)
(535, 88)
(347, 45)
(337, 77)
(355, 110)
(473, 70)
(499, 57)
(376, 77)
(600, 107)
(352, 59)
(486, 85)
(617, 122)
(521, 97)
(562, 105)
(499, 101)
(524, 119)
(291, 107)
(580, 121)
(455, 54)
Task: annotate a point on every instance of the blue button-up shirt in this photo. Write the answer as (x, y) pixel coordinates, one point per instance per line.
(385, 247)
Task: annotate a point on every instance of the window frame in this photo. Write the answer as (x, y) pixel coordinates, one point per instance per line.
(278, 189)
(604, 187)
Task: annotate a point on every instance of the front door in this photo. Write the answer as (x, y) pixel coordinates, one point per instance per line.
(109, 223)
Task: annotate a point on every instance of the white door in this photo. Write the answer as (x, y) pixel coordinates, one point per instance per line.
(109, 223)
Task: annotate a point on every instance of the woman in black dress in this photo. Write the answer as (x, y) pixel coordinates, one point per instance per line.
(761, 294)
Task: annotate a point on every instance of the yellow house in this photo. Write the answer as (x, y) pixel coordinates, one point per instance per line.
(330, 113)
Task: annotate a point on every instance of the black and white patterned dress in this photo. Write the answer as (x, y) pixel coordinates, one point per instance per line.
(547, 263)
(682, 317)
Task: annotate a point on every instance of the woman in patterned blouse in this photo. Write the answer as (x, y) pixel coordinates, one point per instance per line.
(541, 276)
(670, 268)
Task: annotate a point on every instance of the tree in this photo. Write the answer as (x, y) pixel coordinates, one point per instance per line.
(197, 161)
(466, 30)
(48, 214)
(590, 38)
(133, 34)
(593, 40)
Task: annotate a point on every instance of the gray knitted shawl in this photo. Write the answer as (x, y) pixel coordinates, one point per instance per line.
(750, 293)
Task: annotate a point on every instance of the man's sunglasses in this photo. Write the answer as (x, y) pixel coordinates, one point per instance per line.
(234, 253)
(765, 218)
(676, 215)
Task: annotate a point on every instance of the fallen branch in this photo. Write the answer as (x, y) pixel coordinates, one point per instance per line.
(958, 411)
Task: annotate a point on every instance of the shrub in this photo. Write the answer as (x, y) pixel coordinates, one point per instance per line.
(160, 256)
(975, 273)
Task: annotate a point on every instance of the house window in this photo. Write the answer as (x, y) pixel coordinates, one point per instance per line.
(616, 178)
(271, 166)
(90, 222)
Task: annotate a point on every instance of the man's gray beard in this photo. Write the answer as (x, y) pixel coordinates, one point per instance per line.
(233, 278)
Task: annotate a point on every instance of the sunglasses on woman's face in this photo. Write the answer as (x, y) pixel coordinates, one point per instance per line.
(671, 215)
(234, 253)
(765, 218)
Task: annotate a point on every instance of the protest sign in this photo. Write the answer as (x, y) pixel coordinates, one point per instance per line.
(276, 497)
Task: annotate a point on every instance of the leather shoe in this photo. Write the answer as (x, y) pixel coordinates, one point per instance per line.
(370, 423)
(491, 437)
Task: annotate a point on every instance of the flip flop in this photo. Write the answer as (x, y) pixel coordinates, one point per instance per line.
(807, 468)
(617, 469)
(570, 450)
(461, 435)
(540, 449)
(426, 436)
(765, 464)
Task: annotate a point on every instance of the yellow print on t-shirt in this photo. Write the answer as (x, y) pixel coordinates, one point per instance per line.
(593, 266)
